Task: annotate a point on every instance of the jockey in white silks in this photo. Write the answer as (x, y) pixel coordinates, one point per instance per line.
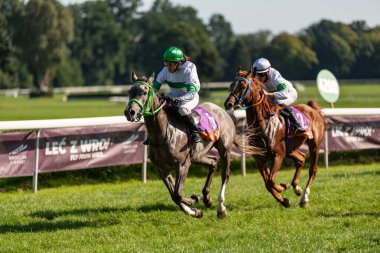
(181, 76)
(277, 89)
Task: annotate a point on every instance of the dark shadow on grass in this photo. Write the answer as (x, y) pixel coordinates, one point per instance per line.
(51, 224)
(365, 173)
(158, 207)
(45, 226)
(51, 215)
(345, 215)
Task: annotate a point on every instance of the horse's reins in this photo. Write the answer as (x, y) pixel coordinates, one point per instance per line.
(244, 96)
(147, 107)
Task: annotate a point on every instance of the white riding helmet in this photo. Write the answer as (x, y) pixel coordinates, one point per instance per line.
(261, 65)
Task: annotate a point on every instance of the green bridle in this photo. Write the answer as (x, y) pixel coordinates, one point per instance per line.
(147, 108)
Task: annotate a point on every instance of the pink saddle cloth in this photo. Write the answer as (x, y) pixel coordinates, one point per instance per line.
(207, 124)
(303, 122)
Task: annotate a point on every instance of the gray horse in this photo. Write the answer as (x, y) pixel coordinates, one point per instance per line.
(170, 147)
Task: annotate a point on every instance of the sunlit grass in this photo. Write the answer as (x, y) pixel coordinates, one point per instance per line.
(343, 216)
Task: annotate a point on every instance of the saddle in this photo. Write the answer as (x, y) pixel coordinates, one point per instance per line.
(207, 125)
(303, 120)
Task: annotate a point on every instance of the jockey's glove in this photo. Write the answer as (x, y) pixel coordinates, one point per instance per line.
(172, 100)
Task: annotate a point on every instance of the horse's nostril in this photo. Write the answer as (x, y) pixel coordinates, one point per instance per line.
(228, 105)
(132, 112)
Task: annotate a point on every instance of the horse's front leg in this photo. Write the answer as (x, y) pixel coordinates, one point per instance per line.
(265, 173)
(271, 183)
(182, 171)
(170, 184)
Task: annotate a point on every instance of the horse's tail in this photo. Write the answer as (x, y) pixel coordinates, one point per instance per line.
(242, 143)
(313, 104)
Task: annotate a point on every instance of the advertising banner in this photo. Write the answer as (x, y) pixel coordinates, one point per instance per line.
(90, 147)
(17, 154)
(350, 133)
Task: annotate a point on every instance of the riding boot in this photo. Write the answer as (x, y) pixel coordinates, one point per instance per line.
(194, 133)
(288, 112)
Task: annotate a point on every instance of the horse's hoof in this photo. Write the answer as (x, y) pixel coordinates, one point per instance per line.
(298, 190)
(286, 203)
(304, 204)
(198, 213)
(207, 202)
(222, 214)
(285, 185)
(196, 198)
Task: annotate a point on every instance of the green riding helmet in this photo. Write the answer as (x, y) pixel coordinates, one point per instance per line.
(173, 54)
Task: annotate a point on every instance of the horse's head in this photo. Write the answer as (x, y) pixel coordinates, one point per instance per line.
(140, 98)
(241, 90)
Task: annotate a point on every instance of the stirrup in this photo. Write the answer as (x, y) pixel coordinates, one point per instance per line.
(195, 137)
(299, 130)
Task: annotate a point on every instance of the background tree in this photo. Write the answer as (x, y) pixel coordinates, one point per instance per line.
(166, 25)
(245, 49)
(334, 44)
(291, 56)
(43, 33)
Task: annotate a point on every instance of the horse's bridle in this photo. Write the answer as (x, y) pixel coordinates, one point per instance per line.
(243, 97)
(147, 107)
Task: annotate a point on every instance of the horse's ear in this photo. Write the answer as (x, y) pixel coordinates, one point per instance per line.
(151, 78)
(249, 74)
(134, 77)
(238, 70)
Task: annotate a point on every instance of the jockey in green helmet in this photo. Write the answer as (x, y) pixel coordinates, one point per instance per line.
(182, 77)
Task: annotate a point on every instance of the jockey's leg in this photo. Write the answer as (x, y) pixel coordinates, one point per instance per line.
(288, 113)
(194, 133)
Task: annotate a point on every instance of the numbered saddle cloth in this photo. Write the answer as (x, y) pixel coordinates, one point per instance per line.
(303, 122)
(207, 125)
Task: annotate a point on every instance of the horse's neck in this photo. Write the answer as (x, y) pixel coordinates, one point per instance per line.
(157, 124)
(258, 116)
(255, 119)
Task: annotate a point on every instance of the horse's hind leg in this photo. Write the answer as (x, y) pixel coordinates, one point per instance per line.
(211, 163)
(314, 153)
(299, 159)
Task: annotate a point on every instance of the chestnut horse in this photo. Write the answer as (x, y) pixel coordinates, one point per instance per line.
(169, 148)
(270, 133)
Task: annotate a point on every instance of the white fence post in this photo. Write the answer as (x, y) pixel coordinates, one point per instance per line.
(145, 158)
(326, 149)
(35, 175)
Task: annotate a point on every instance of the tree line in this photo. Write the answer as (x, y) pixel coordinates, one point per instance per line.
(44, 44)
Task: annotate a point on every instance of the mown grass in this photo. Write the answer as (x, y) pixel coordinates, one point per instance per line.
(343, 216)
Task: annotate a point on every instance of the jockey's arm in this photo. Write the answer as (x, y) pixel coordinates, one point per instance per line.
(191, 90)
(156, 86)
(280, 94)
